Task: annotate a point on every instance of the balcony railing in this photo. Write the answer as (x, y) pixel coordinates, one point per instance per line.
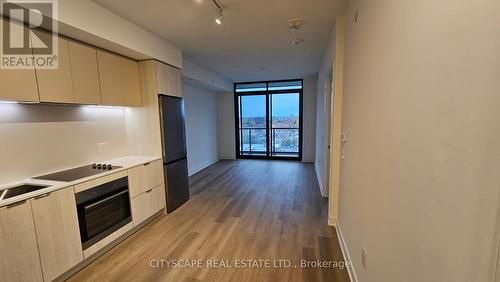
(285, 141)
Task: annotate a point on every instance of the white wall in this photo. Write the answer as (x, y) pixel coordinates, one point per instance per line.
(225, 122)
(309, 119)
(36, 139)
(201, 127)
(420, 182)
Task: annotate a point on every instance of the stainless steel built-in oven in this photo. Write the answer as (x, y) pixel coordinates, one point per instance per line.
(103, 210)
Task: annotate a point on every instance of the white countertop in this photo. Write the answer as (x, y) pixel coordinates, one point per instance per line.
(125, 163)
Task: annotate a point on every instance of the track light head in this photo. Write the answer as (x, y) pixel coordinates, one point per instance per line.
(219, 16)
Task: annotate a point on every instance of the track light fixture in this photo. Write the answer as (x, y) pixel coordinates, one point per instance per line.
(219, 16)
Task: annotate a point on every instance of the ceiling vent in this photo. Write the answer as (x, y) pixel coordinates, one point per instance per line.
(294, 24)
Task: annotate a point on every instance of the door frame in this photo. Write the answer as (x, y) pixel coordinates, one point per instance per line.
(327, 132)
(268, 93)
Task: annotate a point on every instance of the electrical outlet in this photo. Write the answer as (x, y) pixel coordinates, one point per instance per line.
(101, 147)
(364, 255)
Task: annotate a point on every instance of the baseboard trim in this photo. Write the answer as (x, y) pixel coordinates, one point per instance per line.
(332, 221)
(345, 252)
(202, 167)
(228, 157)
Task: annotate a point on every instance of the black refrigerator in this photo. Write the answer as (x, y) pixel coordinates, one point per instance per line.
(174, 151)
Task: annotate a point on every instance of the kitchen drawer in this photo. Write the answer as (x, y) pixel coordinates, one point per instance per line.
(144, 177)
(147, 204)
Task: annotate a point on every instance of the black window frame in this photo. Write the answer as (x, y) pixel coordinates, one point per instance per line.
(268, 93)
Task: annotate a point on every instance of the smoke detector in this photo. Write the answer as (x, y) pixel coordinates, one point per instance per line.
(294, 24)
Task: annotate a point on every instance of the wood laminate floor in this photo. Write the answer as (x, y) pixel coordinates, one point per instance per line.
(239, 210)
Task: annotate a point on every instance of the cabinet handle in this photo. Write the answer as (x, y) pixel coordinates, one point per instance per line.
(42, 196)
(149, 191)
(146, 164)
(16, 204)
(105, 199)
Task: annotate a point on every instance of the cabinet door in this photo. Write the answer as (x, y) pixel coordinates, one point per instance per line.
(85, 73)
(56, 85)
(131, 88)
(19, 260)
(58, 233)
(110, 76)
(144, 177)
(168, 80)
(18, 85)
(148, 203)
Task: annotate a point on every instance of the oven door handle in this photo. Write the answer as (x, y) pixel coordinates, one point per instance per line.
(105, 199)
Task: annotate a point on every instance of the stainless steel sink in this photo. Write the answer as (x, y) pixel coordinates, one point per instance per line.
(19, 190)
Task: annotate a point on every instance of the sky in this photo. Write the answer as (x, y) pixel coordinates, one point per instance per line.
(283, 105)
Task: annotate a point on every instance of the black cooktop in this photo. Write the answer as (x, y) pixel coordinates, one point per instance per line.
(77, 173)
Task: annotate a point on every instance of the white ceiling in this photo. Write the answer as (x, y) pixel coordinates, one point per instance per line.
(253, 43)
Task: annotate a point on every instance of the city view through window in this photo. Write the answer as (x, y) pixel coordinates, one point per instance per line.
(273, 116)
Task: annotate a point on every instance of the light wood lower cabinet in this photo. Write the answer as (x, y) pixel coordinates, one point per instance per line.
(57, 230)
(19, 260)
(147, 204)
(144, 177)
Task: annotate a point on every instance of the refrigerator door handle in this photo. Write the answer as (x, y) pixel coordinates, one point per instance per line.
(162, 134)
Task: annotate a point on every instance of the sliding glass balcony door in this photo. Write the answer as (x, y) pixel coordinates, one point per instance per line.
(253, 131)
(269, 119)
(285, 130)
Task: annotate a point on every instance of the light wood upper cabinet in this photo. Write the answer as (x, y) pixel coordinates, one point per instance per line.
(18, 85)
(19, 260)
(85, 73)
(168, 80)
(57, 230)
(119, 77)
(110, 76)
(131, 86)
(56, 85)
